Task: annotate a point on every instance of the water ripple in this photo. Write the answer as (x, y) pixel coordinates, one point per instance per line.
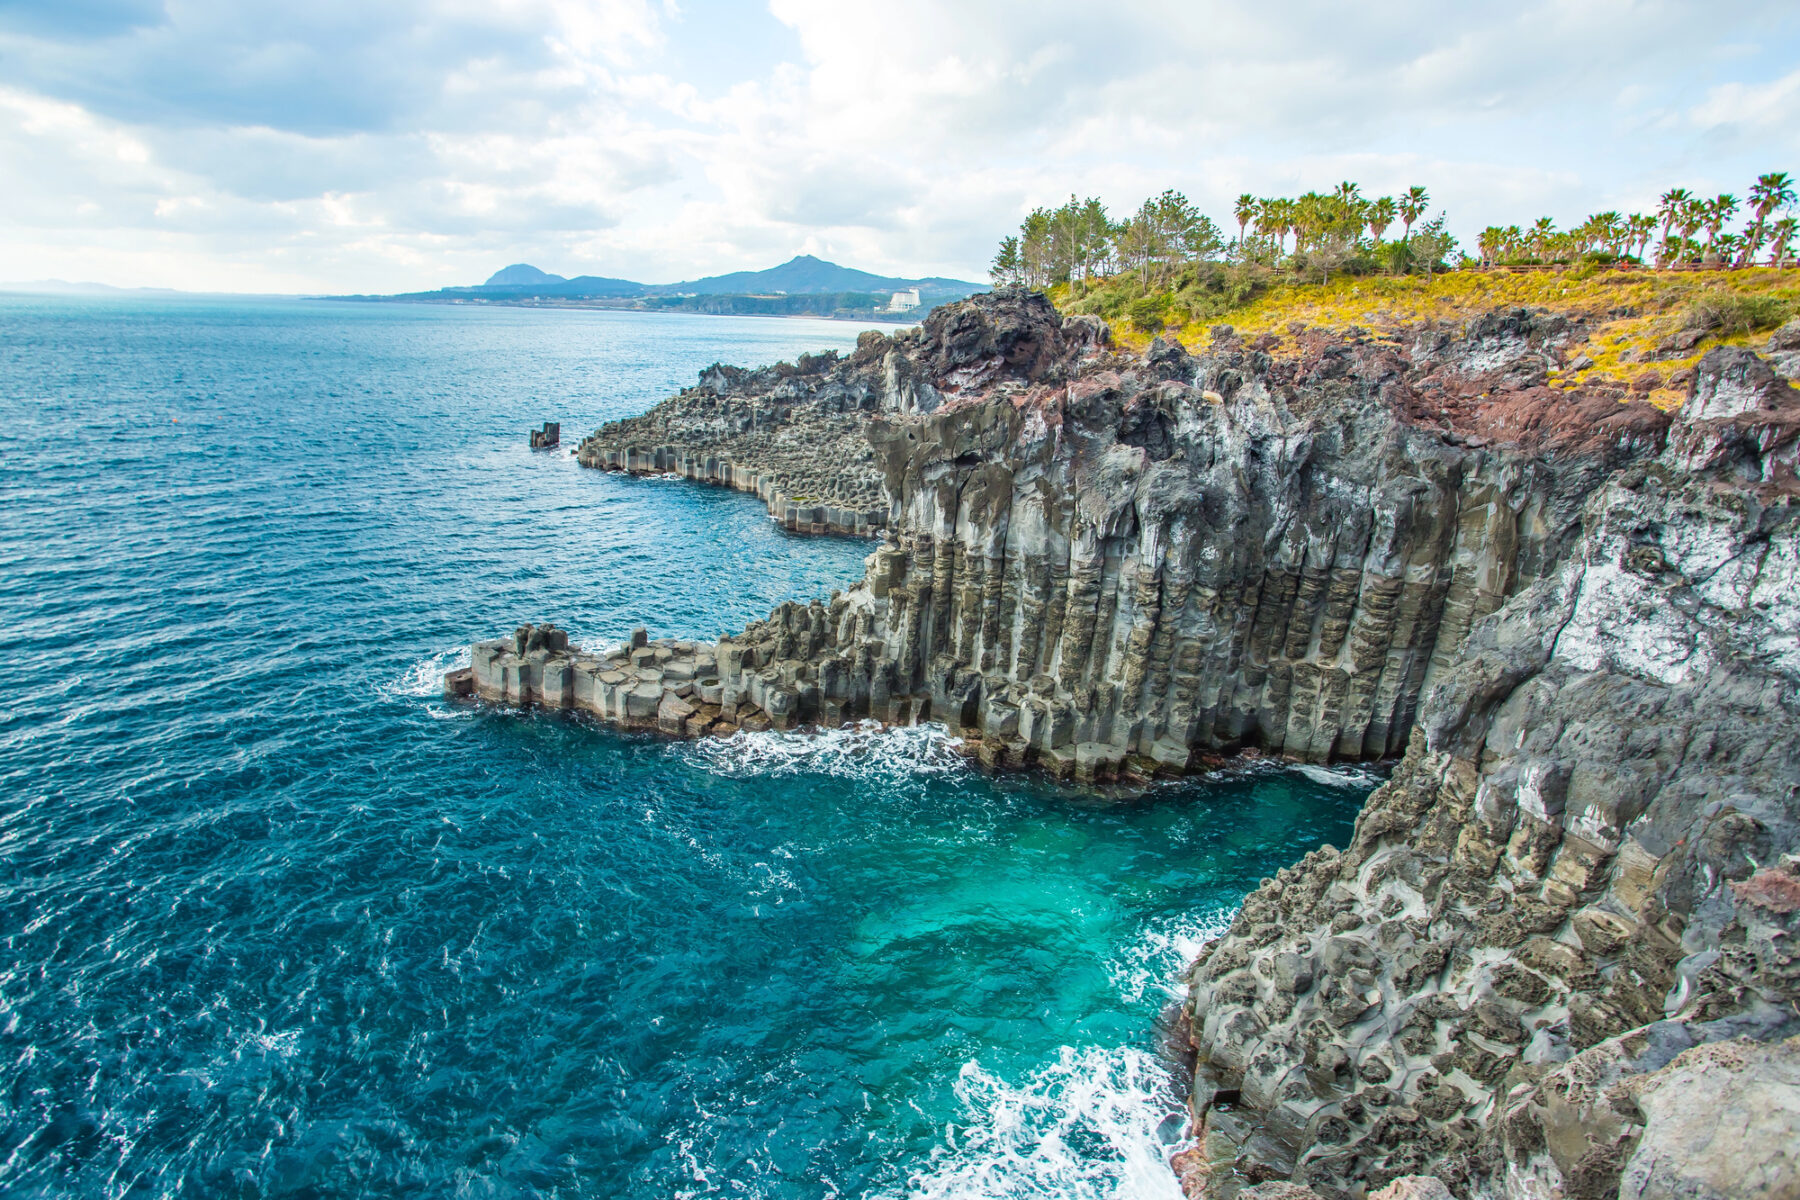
(278, 921)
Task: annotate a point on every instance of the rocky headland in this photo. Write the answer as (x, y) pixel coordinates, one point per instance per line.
(1557, 957)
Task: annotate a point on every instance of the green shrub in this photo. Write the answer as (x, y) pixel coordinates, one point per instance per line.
(1728, 316)
(1201, 292)
(1149, 313)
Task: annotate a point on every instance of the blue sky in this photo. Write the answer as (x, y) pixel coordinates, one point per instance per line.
(384, 145)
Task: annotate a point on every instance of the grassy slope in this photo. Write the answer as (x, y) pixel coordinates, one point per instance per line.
(1631, 312)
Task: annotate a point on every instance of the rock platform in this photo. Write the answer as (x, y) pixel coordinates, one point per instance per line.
(800, 514)
(790, 434)
(680, 688)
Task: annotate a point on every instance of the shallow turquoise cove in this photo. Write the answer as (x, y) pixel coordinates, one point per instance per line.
(277, 921)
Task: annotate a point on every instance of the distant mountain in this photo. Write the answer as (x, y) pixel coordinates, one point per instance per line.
(803, 275)
(807, 275)
(62, 287)
(523, 279)
(802, 286)
(521, 275)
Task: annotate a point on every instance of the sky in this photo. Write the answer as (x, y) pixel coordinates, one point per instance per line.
(394, 145)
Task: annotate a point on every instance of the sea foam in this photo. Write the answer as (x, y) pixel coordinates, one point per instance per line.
(864, 751)
(1095, 1124)
(1152, 964)
(425, 677)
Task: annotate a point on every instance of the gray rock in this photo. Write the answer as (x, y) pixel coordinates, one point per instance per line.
(1278, 1190)
(1575, 621)
(1721, 1122)
(1413, 1187)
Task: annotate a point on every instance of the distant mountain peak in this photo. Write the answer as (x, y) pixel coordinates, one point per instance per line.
(801, 277)
(521, 275)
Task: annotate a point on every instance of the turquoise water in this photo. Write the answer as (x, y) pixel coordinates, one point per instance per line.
(276, 921)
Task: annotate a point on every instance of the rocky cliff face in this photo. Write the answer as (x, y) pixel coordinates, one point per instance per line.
(1575, 618)
(1583, 865)
(1106, 563)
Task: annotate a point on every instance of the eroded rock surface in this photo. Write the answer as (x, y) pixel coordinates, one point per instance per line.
(1577, 619)
(1583, 866)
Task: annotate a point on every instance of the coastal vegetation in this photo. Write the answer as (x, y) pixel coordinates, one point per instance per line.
(1657, 290)
(1686, 230)
(1168, 244)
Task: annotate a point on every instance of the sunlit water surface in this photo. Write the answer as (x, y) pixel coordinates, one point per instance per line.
(277, 921)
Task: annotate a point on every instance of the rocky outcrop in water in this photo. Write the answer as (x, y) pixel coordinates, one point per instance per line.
(1576, 618)
(792, 434)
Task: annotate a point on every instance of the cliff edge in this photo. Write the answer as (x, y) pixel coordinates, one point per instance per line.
(1574, 619)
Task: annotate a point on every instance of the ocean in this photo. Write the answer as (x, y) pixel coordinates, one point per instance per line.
(278, 921)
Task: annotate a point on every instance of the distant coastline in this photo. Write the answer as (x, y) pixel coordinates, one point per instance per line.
(804, 286)
(637, 305)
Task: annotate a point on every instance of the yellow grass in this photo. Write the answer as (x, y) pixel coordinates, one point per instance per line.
(1619, 345)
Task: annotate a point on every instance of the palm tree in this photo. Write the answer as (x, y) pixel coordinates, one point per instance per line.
(1715, 214)
(1268, 221)
(1783, 233)
(1609, 232)
(1346, 211)
(1412, 207)
(1244, 210)
(1692, 217)
(1583, 235)
(1542, 230)
(1641, 228)
(1772, 191)
(1276, 218)
(1673, 203)
(1381, 214)
(1728, 246)
(1489, 244)
(1311, 219)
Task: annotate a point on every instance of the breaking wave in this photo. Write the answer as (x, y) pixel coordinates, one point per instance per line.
(864, 751)
(1096, 1124)
(1154, 962)
(426, 677)
(1340, 777)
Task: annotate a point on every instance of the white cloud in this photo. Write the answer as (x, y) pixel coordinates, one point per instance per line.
(342, 145)
(1768, 111)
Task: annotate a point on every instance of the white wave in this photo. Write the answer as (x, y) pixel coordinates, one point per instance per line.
(1093, 1125)
(281, 1044)
(862, 751)
(605, 648)
(1342, 777)
(1152, 964)
(425, 677)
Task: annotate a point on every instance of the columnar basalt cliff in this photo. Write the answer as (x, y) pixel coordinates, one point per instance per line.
(1576, 618)
(1583, 866)
(1102, 562)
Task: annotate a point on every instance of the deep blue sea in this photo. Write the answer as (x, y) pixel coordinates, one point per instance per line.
(276, 921)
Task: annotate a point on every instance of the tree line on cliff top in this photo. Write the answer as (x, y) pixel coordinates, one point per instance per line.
(1168, 242)
(1670, 236)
